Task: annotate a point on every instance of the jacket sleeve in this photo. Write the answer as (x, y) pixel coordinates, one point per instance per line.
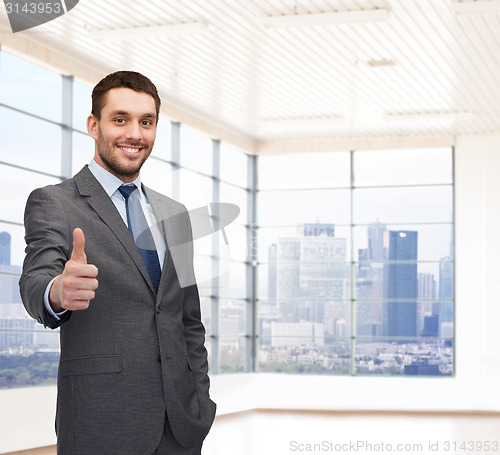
(48, 243)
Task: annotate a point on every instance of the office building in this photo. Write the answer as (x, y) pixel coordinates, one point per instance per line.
(401, 284)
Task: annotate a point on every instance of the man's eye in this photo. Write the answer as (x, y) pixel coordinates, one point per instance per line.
(147, 122)
(120, 120)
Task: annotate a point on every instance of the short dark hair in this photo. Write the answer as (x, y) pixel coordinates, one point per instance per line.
(125, 79)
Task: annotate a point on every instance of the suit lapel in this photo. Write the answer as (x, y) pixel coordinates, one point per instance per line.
(97, 198)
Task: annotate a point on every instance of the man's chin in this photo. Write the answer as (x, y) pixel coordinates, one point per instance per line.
(125, 172)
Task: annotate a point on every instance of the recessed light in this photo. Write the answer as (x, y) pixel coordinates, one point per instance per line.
(383, 63)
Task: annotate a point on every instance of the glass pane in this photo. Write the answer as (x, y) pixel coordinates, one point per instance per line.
(311, 170)
(236, 249)
(28, 353)
(418, 357)
(423, 318)
(232, 317)
(195, 189)
(434, 242)
(233, 166)
(303, 352)
(235, 284)
(82, 105)
(231, 354)
(288, 208)
(12, 247)
(163, 142)
(30, 88)
(216, 275)
(157, 175)
(196, 151)
(30, 142)
(204, 273)
(83, 151)
(9, 286)
(18, 185)
(233, 195)
(403, 205)
(206, 313)
(332, 315)
(36, 366)
(403, 167)
(266, 279)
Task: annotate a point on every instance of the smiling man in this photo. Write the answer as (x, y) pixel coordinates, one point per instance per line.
(133, 372)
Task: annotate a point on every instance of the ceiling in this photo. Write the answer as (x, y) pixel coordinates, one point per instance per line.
(424, 71)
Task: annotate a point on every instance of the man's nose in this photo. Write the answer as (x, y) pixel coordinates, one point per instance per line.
(133, 131)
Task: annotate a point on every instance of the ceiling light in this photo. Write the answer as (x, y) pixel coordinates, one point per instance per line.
(344, 17)
(383, 63)
(156, 31)
(476, 7)
(427, 116)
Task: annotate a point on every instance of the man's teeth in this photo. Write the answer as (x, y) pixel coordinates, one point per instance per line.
(131, 149)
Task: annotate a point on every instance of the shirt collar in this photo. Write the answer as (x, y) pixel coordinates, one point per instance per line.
(108, 181)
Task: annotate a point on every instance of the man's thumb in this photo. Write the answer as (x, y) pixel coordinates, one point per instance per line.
(78, 253)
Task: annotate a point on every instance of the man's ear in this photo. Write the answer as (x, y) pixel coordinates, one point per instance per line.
(92, 124)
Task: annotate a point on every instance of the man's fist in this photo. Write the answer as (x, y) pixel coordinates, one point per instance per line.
(75, 287)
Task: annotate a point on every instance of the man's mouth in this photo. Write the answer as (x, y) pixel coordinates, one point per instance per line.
(130, 150)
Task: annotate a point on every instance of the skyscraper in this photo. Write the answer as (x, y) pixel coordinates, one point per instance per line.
(376, 237)
(445, 293)
(369, 282)
(427, 291)
(309, 275)
(401, 284)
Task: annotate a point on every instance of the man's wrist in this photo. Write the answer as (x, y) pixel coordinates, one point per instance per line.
(53, 296)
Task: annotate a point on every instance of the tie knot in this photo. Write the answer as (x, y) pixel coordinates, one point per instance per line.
(127, 190)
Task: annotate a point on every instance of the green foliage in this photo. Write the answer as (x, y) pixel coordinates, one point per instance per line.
(39, 368)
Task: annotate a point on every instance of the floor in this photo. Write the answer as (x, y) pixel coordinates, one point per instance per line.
(279, 433)
(288, 432)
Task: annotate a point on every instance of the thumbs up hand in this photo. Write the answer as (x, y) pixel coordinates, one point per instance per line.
(78, 253)
(75, 287)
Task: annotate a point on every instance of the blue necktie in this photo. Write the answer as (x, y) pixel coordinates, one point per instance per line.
(139, 228)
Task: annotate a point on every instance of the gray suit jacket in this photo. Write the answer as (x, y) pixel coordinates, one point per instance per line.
(134, 356)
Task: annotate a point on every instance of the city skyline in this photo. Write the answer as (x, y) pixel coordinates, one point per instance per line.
(308, 304)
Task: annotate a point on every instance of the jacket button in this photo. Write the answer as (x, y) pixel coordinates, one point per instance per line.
(159, 358)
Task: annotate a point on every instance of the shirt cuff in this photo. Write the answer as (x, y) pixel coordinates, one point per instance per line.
(47, 302)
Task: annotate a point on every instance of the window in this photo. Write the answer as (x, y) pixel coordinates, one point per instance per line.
(30, 100)
(356, 267)
(349, 270)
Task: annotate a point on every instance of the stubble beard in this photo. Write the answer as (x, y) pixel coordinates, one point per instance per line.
(112, 161)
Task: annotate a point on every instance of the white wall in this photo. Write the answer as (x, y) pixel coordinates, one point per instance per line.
(27, 415)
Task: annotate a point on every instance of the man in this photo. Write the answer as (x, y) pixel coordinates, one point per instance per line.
(133, 367)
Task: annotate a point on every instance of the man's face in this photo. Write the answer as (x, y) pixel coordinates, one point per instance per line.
(125, 133)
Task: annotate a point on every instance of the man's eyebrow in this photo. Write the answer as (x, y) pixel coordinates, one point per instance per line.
(118, 112)
(125, 113)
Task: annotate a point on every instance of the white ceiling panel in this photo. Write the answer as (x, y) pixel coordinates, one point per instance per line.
(426, 71)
